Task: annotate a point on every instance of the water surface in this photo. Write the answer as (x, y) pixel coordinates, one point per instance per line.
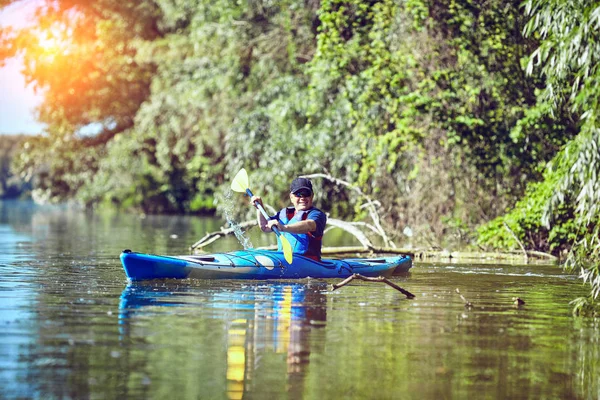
(73, 327)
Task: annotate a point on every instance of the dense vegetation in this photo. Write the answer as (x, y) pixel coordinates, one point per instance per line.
(11, 186)
(453, 114)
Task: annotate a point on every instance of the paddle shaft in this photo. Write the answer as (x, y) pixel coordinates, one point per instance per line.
(263, 212)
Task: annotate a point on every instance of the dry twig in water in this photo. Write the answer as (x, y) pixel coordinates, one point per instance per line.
(346, 281)
(468, 304)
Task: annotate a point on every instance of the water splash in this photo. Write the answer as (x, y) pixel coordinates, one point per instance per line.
(237, 230)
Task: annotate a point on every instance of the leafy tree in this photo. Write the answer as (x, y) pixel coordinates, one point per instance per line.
(81, 55)
(436, 104)
(201, 65)
(567, 58)
(10, 185)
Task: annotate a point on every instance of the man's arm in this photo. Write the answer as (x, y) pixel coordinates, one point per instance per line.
(297, 227)
(314, 223)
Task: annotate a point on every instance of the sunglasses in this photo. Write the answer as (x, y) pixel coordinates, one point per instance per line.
(303, 193)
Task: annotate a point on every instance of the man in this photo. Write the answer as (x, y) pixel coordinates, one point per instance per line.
(303, 224)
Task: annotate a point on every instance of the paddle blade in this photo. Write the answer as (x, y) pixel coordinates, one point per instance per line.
(240, 181)
(287, 249)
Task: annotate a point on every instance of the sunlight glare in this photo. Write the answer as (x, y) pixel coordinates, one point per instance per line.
(51, 43)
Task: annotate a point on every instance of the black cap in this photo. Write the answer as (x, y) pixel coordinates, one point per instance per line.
(300, 183)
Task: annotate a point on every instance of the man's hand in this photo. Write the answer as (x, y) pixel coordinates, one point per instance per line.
(275, 223)
(254, 200)
(262, 221)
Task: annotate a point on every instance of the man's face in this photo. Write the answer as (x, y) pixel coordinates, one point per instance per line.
(302, 199)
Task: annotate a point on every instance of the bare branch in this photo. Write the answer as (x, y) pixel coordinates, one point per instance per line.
(348, 227)
(213, 236)
(369, 226)
(346, 281)
(518, 241)
(370, 204)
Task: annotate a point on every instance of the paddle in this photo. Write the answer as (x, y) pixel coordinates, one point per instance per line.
(240, 184)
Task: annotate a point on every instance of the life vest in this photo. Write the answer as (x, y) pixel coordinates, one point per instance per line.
(306, 244)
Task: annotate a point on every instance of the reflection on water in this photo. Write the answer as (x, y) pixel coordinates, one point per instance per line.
(16, 296)
(274, 318)
(72, 327)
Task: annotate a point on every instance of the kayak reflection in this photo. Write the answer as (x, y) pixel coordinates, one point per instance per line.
(259, 319)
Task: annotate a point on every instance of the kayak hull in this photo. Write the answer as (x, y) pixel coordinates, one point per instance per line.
(255, 264)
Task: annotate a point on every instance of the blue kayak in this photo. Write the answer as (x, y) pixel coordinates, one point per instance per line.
(255, 264)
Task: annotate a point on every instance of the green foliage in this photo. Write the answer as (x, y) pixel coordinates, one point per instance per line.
(366, 108)
(11, 186)
(416, 105)
(361, 66)
(484, 98)
(81, 55)
(566, 204)
(525, 221)
(568, 57)
(410, 100)
(192, 70)
(66, 169)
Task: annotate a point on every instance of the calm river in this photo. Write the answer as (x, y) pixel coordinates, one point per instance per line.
(73, 328)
